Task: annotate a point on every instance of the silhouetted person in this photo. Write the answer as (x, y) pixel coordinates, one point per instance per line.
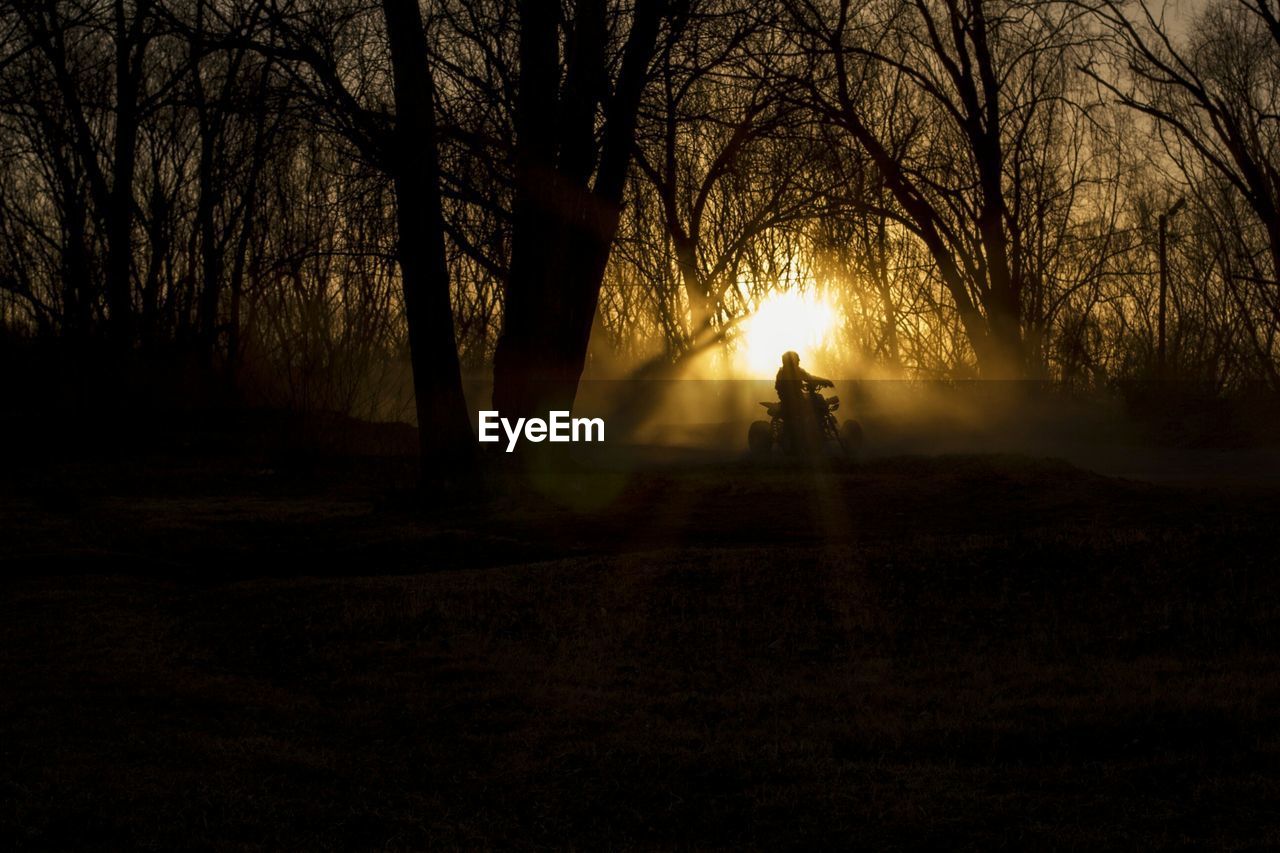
(793, 384)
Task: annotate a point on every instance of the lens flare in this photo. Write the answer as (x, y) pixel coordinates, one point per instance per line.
(784, 320)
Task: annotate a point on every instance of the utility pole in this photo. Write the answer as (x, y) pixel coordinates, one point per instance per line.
(1161, 364)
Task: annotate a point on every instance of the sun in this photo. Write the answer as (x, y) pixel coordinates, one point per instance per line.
(784, 320)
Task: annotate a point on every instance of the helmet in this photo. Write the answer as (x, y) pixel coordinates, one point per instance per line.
(790, 359)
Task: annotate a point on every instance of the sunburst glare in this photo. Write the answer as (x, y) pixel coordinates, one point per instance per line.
(784, 320)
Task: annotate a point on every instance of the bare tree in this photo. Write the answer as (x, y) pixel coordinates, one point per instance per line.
(942, 97)
(1215, 97)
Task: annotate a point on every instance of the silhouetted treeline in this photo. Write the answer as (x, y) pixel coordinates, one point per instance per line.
(323, 199)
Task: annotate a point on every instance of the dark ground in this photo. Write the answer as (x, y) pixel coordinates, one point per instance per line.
(206, 649)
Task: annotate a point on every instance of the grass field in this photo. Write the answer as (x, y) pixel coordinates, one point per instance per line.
(959, 651)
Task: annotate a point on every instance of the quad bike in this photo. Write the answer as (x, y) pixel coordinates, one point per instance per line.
(764, 436)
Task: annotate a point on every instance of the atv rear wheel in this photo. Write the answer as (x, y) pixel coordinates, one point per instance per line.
(760, 437)
(851, 437)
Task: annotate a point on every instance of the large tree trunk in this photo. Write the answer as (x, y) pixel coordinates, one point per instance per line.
(557, 269)
(526, 369)
(564, 224)
(444, 430)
